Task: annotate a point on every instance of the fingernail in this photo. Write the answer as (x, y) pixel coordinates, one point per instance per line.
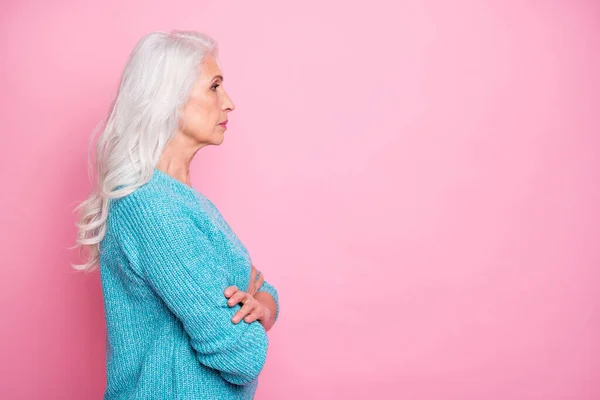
(227, 292)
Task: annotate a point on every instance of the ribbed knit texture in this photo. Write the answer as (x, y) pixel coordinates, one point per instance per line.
(165, 261)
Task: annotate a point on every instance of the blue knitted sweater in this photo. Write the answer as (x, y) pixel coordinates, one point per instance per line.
(165, 261)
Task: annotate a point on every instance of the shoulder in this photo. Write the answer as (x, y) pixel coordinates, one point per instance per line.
(142, 198)
(149, 204)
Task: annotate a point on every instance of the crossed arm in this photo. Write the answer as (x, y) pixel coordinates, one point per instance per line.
(178, 261)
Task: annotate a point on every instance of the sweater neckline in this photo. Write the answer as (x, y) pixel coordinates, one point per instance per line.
(174, 183)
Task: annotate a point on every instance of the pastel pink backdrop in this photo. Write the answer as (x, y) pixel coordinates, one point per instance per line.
(420, 180)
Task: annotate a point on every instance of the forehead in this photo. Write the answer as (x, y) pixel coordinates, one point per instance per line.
(209, 68)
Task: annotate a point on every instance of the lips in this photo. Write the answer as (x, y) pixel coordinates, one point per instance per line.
(224, 123)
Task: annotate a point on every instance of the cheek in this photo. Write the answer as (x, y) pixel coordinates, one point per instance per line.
(195, 118)
(202, 115)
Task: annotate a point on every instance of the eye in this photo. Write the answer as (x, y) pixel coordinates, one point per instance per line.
(215, 86)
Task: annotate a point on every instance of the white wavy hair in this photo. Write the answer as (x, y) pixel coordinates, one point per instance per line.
(156, 82)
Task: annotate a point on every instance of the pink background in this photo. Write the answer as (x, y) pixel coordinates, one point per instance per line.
(419, 179)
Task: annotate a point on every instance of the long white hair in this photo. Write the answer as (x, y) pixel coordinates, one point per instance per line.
(156, 82)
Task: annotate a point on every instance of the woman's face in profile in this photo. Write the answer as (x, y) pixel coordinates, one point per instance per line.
(208, 105)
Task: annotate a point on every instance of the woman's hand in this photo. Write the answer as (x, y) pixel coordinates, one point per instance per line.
(252, 309)
(255, 284)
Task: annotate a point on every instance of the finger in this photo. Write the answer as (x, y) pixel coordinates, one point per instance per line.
(230, 290)
(246, 309)
(253, 316)
(236, 298)
(257, 313)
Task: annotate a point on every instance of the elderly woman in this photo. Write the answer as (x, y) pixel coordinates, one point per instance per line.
(187, 313)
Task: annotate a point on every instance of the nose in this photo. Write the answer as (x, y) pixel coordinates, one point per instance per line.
(228, 104)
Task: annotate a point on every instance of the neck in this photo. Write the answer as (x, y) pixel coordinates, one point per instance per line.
(176, 158)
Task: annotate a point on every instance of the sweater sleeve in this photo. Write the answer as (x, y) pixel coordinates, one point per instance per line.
(179, 262)
(268, 288)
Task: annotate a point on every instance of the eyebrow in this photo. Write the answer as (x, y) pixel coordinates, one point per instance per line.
(217, 77)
